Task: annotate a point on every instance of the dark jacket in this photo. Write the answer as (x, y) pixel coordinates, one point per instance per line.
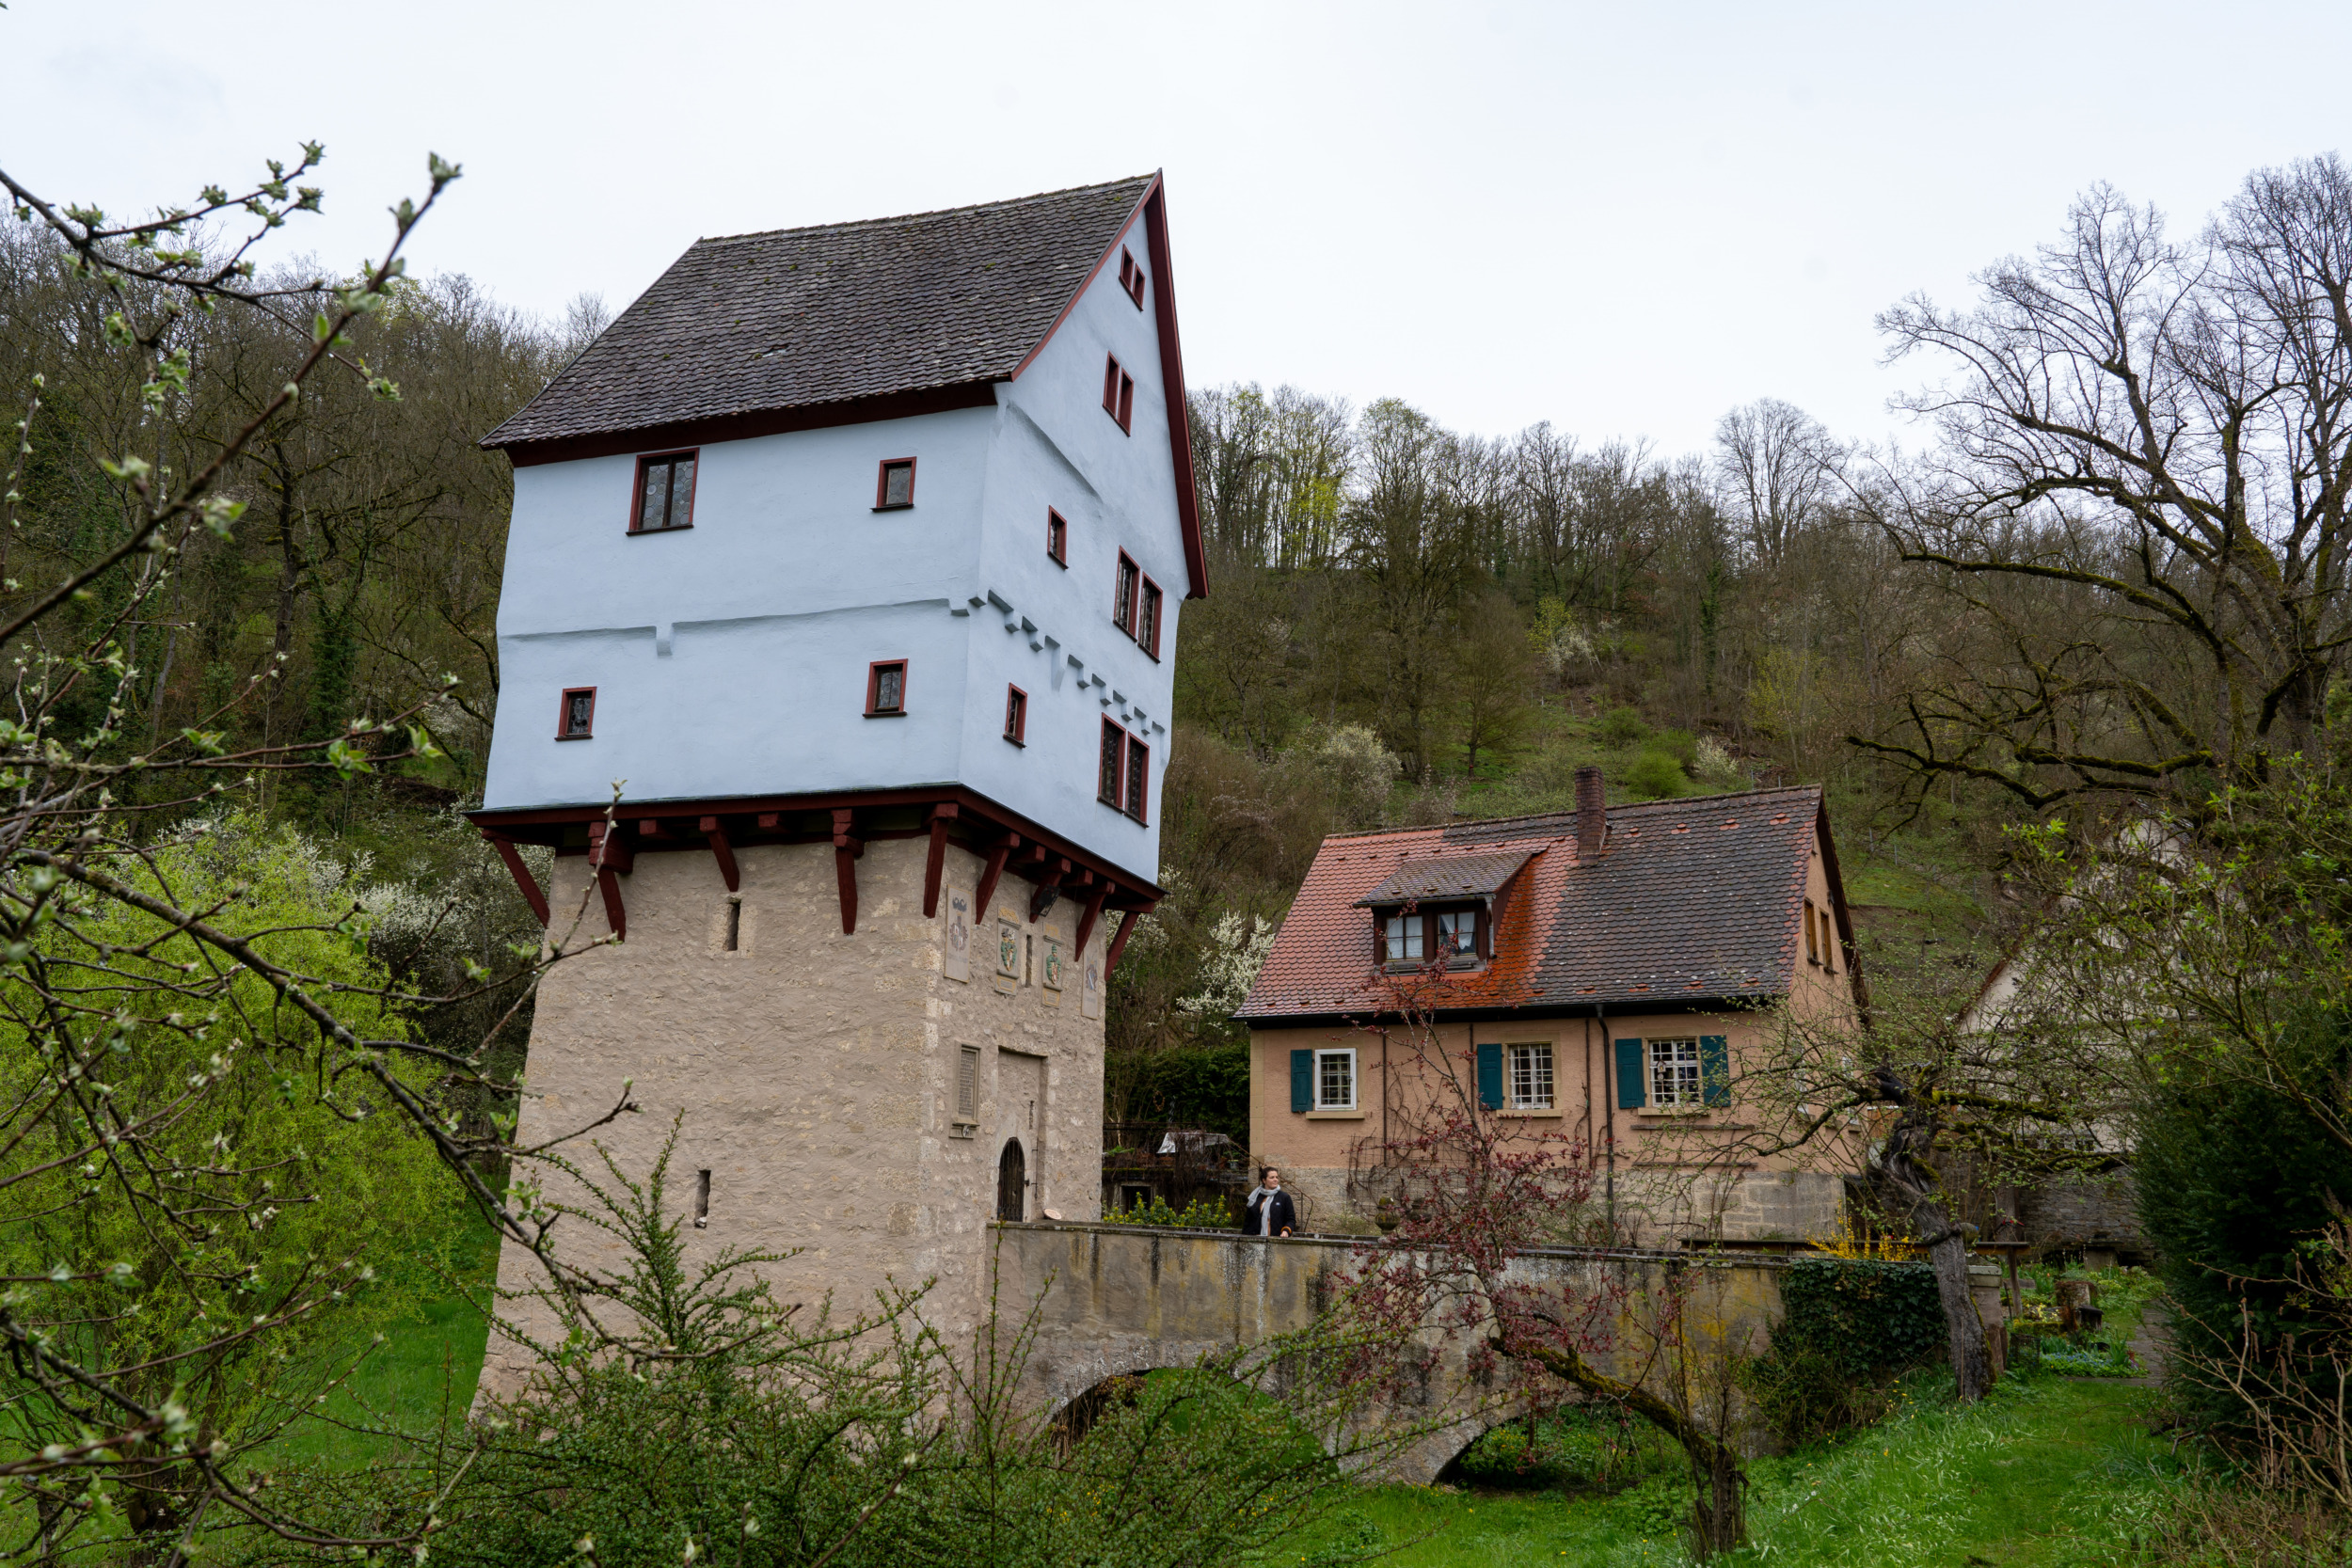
(1271, 1216)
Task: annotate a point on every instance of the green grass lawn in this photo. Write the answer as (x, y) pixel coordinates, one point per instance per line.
(2047, 1471)
(429, 1363)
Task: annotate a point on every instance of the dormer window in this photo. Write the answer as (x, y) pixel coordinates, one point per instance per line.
(1119, 392)
(665, 493)
(1456, 934)
(1131, 276)
(894, 488)
(577, 719)
(886, 689)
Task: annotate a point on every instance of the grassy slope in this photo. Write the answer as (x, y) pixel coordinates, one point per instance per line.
(2049, 1472)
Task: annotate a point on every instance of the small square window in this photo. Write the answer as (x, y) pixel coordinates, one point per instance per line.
(1458, 933)
(1124, 596)
(886, 689)
(1057, 538)
(1016, 715)
(577, 719)
(894, 488)
(1674, 1074)
(1335, 1080)
(1119, 392)
(1148, 623)
(1531, 1078)
(665, 493)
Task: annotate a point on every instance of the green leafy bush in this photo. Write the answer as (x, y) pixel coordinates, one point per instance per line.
(1205, 1088)
(1656, 775)
(1850, 1328)
(1681, 745)
(1201, 1213)
(1623, 726)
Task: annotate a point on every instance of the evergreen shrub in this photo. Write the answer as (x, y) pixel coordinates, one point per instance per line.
(1206, 1087)
(1656, 775)
(1848, 1328)
(2234, 1183)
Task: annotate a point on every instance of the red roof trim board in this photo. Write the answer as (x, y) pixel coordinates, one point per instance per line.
(1152, 210)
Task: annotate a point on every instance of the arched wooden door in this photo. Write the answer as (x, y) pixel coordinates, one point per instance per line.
(1012, 1182)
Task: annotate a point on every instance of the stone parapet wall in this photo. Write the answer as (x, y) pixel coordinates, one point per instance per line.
(1113, 1301)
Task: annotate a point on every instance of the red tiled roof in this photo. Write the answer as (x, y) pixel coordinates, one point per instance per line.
(1693, 900)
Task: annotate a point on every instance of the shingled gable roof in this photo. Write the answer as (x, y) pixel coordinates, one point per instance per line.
(751, 334)
(1693, 901)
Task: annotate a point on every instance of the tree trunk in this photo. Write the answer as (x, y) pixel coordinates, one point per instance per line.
(1719, 1521)
(1972, 1364)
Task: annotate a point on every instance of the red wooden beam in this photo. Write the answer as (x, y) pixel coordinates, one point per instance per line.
(988, 878)
(533, 894)
(722, 852)
(1093, 912)
(937, 864)
(1118, 942)
(847, 847)
(1048, 890)
(607, 856)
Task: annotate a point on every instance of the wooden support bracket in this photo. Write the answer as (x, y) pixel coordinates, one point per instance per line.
(989, 877)
(533, 894)
(847, 847)
(1093, 911)
(936, 865)
(1048, 888)
(722, 852)
(607, 856)
(1118, 942)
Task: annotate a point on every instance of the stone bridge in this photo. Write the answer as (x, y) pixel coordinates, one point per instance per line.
(1118, 1300)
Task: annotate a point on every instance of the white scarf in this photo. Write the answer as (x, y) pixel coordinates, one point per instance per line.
(1261, 1190)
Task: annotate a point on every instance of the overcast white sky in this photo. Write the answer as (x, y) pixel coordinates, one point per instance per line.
(1622, 218)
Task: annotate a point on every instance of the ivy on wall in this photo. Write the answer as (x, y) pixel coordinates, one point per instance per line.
(1851, 1326)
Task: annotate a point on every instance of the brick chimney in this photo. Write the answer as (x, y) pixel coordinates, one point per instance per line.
(1591, 815)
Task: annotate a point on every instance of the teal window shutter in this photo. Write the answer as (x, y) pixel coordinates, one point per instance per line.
(1302, 1080)
(1632, 1076)
(1491, 1077)
(1715, 1069)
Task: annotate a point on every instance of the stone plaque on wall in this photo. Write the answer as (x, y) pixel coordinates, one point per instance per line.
(958, 963)
(1091, 988)
(1051, 973)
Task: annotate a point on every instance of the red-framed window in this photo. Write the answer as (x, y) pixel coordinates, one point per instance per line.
(894, 485)
(1131, 276)
(886, 689)
(1016, 715)
(664, 499)
(1119, 391)
(1057, 538)
(1123, 595)
(1148, 619)
(1123, 771)
(575, 718)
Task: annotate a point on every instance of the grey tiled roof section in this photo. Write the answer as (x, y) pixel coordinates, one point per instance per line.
(794, 317)
(1451, 876)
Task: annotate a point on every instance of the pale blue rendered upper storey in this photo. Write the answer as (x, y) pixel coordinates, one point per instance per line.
(731, 658)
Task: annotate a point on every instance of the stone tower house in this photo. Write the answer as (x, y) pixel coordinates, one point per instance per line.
(850, 556)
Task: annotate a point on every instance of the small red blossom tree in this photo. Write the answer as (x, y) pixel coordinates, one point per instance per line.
(1467, 1190)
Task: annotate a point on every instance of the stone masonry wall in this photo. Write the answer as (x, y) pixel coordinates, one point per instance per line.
(817, 1072)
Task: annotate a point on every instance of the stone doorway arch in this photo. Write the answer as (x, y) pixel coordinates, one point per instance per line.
(1012, 1183)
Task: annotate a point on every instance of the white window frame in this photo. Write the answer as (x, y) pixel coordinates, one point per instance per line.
(1323, 1104)
(1403, 938)
(1528, 1066)
(1675, 1074)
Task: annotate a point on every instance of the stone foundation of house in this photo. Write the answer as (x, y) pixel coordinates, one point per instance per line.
(1650, 1207)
